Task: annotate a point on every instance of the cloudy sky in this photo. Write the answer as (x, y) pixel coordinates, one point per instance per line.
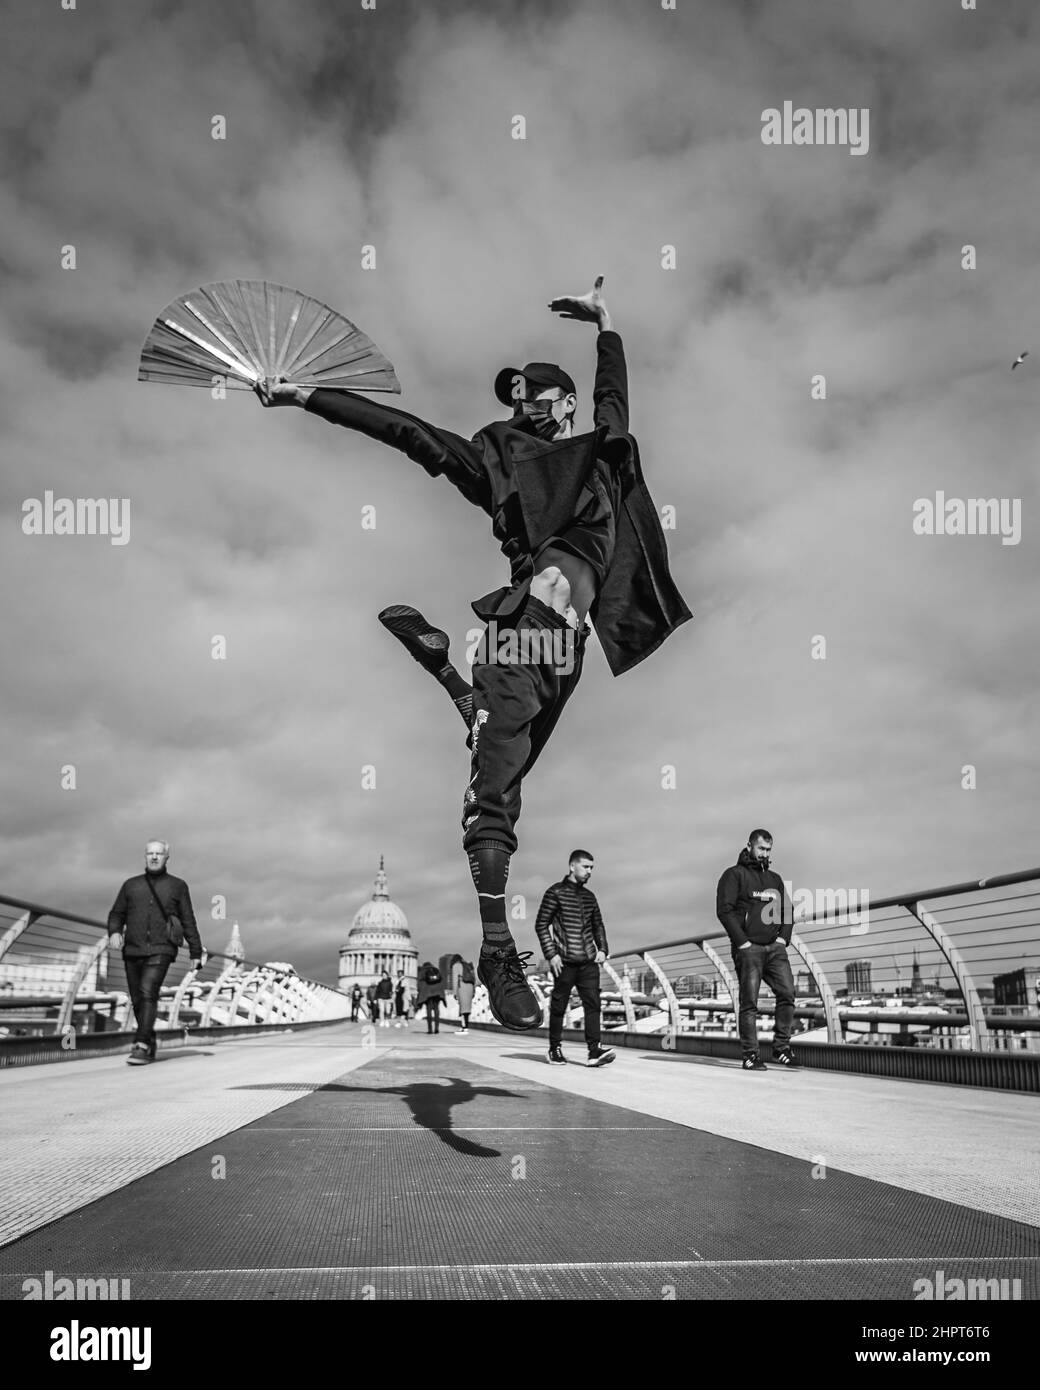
(794, 516)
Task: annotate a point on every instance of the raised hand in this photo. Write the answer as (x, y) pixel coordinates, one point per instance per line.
(588, 308)
(274, 390)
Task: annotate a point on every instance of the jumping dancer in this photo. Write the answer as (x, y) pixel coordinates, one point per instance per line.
(582, 536)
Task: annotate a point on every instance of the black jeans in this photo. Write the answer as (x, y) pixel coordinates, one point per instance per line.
(769, 963)
(516, 706)
(433, 1014)
(144, 978)
(583, 977)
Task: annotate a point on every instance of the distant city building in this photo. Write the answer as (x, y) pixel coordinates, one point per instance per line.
(693, 986)
(234, 947)
(805, 983)
(1018, 989)
(857, 977)
(379, 940)
(640, 981)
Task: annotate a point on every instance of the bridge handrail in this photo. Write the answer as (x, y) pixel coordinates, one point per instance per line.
(88, 957)
(38, 910)
(961, 945)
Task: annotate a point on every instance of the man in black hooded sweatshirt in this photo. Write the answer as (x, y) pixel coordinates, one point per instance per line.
(582, 535)
(750, 904)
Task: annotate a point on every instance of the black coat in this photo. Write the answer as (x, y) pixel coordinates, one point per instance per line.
(532, 489)
(428, 989)
(570, 924)
(136, 912)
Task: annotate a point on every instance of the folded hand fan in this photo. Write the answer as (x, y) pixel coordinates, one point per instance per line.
(245, 330)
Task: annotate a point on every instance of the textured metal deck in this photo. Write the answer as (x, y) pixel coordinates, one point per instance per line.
(423, 1174)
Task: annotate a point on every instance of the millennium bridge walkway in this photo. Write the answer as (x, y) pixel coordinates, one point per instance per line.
(323, 1164)
(316, 1158)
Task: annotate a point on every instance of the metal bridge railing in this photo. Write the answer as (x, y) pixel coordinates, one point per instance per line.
(955, 967)
(59, 974)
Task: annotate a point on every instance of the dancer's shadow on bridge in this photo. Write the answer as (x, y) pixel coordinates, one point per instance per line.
(431, 1105)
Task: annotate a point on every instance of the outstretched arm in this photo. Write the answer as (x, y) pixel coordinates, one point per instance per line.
(589, 308)
(610, 393)
(439, 452)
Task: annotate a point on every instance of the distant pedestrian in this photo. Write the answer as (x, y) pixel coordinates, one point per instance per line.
(152, 917)
(750, 904)
(401, 1001)
(464, 994)
(431, 993)
(574, 941)
(373, 1003)
(356, 996)
(385, 996)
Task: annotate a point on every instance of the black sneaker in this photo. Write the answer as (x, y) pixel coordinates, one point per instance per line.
(556, 1056)
(753, 1063)
(139, 1055)
(600, 1056)
(428, 644)
(501, 970)
(152, 1049)
(785, 1058)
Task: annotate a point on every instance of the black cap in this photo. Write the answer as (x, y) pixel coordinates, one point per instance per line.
(535, 374)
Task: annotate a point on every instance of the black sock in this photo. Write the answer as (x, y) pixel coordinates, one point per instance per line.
(489, 865)
(453, 683)
(461, 691)
(497, 935)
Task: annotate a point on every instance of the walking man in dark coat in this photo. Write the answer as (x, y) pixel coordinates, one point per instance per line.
(152, 917)
(583, 538)
(570, 931)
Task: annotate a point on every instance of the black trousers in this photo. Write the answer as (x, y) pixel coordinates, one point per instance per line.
(520, 687)
(584, 978)
(433, 1014)
(144, 978)
(753, 965)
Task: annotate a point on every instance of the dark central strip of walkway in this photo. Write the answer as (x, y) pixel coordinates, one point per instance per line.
(418, 1176)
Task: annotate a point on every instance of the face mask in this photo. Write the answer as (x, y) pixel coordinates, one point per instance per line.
(545, 424)
(541, 423)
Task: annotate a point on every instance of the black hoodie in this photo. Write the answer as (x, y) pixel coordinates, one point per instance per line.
(745, 892)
